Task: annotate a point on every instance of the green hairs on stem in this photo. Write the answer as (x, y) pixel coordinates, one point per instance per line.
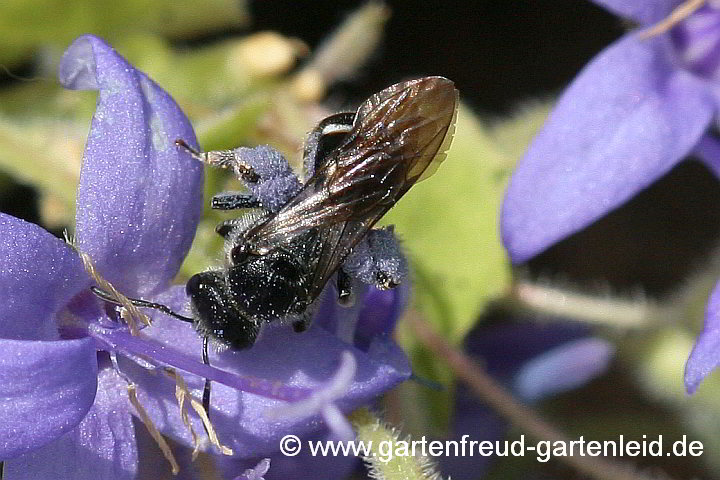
(384, 456)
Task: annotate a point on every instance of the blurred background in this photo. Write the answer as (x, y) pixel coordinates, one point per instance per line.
(249, 73)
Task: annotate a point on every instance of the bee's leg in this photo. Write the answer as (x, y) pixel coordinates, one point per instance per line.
(235, 225)
(263, 169)
(234, 201)
(222, 159)
(344, 288)
(225, 228)
(378, 260)
(324, 138)
(302, 321)
(206, 389)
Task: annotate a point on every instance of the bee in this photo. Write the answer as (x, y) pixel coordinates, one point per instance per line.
(280, 255)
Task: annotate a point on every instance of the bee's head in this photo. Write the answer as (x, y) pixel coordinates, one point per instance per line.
(216, 314)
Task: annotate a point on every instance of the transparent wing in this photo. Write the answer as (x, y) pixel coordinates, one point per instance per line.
(399, 137)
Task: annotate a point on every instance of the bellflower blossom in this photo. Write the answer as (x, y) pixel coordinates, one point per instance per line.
(65, 411)
(535, 361)
(634, 112)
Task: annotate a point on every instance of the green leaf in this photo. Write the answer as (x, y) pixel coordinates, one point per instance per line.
(25, 27)
(32, 148)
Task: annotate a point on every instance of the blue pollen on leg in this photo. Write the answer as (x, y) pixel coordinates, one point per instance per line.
(378, 257)
(278, 183)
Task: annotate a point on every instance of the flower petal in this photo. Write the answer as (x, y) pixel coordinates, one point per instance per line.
(708, 152)
(563, 368)
(46, 387)
(101, 447)
(644, 11)
(140, 197)
(626, 120)
(257, 472)
(515, 353)
(374, 313)
(705, 355)
(39, 274)
(317, 467)
(301, 360)
(322, 401)
(380, 312)
(504, 349)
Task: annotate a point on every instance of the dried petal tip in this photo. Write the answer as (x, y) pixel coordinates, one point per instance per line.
(77, 69)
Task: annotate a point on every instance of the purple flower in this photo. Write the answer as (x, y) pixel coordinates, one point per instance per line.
(320, 467)
(65, 411)
(635, 111)
(535, 362)
(257, 472)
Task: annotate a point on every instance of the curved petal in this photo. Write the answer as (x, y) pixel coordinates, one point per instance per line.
(645, 12)
(39, 274)
(626, 120)
(708, 152)
(538, 360)
(46, 387)
(101, 447)
(705, 355)
(140, 197)
(380, 312)
(504, 349)
(303, 360)
(563, 368)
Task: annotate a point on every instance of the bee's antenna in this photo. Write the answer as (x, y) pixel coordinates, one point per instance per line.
(166, 310)
(140, 303)
(195, 154)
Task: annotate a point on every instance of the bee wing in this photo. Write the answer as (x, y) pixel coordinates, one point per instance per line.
(337, 241)
(421, 115)
(399, 137)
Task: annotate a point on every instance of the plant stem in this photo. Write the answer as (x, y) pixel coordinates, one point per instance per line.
(505, 404)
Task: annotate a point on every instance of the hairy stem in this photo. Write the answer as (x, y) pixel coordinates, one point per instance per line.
(594, 309)
(381, 464)
(499, 399)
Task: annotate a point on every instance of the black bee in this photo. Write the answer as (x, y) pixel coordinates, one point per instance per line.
(280, 256)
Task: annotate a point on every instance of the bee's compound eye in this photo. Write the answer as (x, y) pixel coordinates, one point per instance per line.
(239, 254)
(206, 292)
(193, 285)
